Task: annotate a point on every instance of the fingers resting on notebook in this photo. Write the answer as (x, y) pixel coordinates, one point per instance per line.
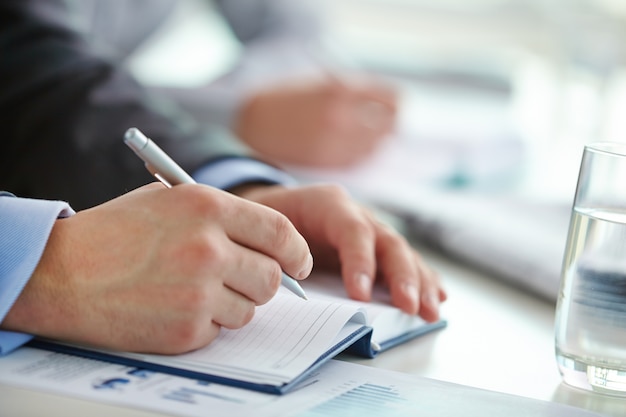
(346, 237)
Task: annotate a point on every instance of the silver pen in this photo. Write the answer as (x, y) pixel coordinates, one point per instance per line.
(159, 164)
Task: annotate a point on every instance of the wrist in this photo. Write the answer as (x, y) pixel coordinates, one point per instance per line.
(250, 189)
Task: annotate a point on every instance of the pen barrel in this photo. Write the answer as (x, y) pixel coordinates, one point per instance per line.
(161, 164)
(157, 161)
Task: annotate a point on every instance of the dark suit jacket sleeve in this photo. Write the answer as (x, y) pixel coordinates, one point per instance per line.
(64, 110)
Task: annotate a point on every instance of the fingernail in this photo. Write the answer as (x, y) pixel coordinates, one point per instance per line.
(307, 269)
(411, 291)
(364, 283)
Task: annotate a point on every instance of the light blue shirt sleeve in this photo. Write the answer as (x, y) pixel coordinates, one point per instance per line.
(232, 171)
(25, 225)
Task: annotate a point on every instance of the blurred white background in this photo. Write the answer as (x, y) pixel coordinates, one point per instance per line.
(563, 61)
(555, 70)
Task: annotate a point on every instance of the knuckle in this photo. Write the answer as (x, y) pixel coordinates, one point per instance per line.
(391, 236)
(194, 326)
(333, 190)
(191, 334)
(363, 228)
(200, 200)
(248, 315)
(330, 192)
(244, 316)
(267, 284)
(195, 300)
(283, 230)
(275, 278)
(201, 249)
(357, 227)
(272, 283)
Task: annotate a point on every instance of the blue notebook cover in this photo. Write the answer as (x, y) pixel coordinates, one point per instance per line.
(357, 343)
(364, 333)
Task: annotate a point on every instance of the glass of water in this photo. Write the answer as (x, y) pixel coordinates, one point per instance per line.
(590, 327)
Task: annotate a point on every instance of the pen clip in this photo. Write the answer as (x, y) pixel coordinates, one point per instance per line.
(158, 176)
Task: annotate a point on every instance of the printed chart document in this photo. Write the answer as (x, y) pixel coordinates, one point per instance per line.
(286, 340)
(519, 240)
(337, 389)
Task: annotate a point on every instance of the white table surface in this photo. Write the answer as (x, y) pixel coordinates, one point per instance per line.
(498, 338)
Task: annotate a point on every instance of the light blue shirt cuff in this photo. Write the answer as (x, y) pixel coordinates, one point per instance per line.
(9, 341)
(231, 172)
(25, 225)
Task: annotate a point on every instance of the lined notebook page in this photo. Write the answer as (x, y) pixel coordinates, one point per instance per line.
(386, 320)
(284, 338)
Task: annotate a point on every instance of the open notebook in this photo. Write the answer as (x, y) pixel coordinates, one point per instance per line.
(286, 340)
